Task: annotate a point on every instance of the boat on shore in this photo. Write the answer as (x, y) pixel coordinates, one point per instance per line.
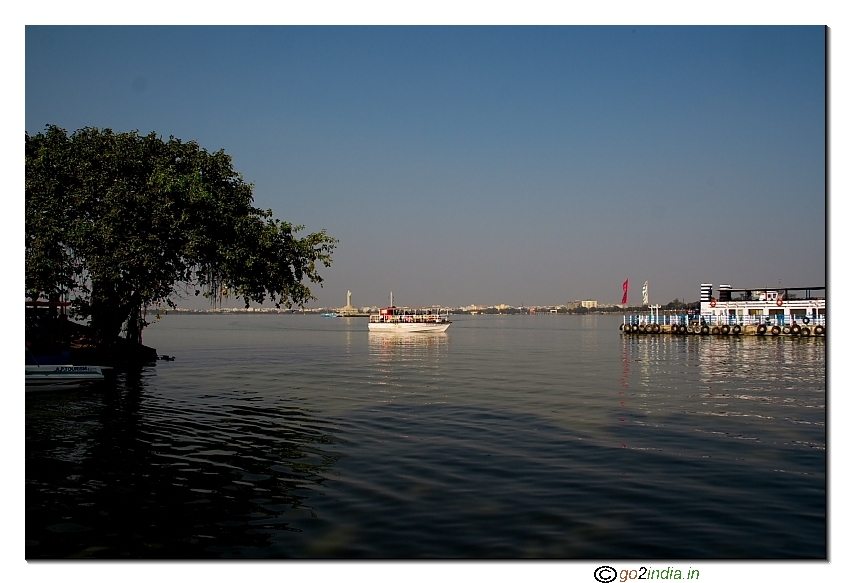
(395, 319)
(51, 378)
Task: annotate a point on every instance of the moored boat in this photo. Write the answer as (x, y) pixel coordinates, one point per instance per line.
(50, 378)
(747, 311)
(769, 306)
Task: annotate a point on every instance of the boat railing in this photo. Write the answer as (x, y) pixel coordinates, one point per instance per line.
(728, 319)
(412, 316)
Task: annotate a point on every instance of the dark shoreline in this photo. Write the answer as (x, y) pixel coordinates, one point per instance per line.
(51, 341)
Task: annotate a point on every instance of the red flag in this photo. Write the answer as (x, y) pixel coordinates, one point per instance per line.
(625, 292)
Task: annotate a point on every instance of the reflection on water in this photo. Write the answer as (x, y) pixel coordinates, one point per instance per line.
(146, 475)
(506, 437)
(769, 390)
(391, 346)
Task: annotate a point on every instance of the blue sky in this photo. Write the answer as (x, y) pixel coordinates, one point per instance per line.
(458, 165)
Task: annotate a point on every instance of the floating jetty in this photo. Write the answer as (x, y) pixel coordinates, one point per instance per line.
(798, 312)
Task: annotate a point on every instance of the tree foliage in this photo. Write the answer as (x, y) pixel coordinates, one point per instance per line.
(121, 222)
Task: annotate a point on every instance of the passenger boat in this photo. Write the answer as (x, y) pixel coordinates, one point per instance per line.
(51, 377)
(394, 319)
(803, 305)
(786, 311)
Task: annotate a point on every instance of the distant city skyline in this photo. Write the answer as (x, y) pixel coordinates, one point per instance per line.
(459, 165)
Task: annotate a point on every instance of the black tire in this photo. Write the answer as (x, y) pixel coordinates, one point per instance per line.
(736, 329)
(656, 328)
(622, 326)
(786, 329)
(761, 330)
(805, 332)
(724, 329)
(703, 330)
(776, 331)
(674, 329)
(805, 320)
(795, 329)
(715, 330)
(819, 330)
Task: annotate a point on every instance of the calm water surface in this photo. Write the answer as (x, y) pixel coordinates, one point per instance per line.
(509, 436)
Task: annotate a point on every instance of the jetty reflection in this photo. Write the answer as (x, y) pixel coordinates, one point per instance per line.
(719, 356)
(727, 377)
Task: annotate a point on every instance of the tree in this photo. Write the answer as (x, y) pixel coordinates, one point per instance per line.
(120, 222)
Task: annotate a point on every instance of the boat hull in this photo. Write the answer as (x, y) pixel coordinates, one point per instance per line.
(408, 326)
(52, 378)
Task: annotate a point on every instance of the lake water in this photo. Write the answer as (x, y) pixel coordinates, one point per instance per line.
(506, 437)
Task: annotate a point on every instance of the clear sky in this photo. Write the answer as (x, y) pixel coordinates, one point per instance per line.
(458, 165)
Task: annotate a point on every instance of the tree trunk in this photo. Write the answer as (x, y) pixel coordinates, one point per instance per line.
(53, 309)
(134, 323)
(107, 314)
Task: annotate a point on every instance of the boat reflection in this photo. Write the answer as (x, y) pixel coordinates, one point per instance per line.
(410, 346)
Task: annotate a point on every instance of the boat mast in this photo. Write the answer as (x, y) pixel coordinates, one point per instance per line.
(391, 299)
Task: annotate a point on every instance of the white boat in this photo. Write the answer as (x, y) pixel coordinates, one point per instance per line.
(53, 377)
(803, 305)
(394, 319)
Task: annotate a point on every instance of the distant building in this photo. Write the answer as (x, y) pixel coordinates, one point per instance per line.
(581, 304)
